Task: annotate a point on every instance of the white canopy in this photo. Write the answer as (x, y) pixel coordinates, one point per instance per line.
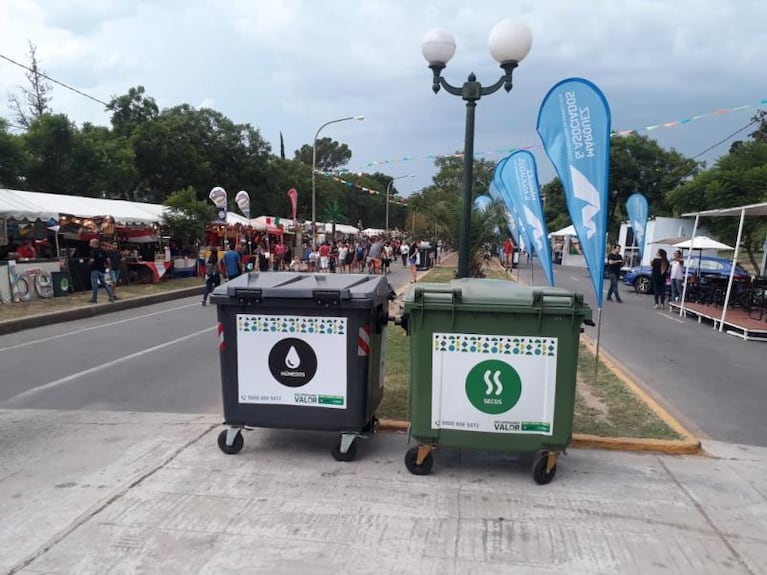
(702, 243)
(568, 231)
(20, 205)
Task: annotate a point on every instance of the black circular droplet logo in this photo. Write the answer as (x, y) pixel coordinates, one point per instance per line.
(292, 362)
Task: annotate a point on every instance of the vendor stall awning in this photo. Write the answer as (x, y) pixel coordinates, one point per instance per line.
(21, 205)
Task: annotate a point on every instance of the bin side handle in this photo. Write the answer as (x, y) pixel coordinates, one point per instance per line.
(421, 292)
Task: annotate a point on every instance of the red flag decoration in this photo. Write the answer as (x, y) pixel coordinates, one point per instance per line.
(293, 195)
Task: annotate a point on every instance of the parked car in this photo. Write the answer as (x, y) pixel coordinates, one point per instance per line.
(639, 277)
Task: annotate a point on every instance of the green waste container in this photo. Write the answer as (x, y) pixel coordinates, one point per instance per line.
(492, 367)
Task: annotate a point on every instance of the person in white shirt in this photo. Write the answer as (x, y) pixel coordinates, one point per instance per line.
(343, 252)
(404, 250)
(677, 276)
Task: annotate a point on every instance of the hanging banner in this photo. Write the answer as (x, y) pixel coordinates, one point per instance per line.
(638, 212)
(242, 199)
(218, 197)
(574, 126)
(293, 195)
(520, 175)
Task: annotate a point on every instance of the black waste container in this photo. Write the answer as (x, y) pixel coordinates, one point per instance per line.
(424, 256)
(302, 351)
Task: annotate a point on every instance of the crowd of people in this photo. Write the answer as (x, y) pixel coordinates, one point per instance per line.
(374, 255)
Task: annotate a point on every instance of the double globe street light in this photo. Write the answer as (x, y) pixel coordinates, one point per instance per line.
(509, 43)
(314, 172)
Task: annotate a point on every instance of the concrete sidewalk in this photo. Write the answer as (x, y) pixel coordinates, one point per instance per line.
(110, 492)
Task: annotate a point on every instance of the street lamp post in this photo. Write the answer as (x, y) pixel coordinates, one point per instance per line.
(388, 189)
(509, 43)
(314, 170)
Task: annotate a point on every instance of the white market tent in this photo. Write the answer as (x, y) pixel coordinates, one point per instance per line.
(568, 231)
(21, 205)
(702, 243)
(741, 212)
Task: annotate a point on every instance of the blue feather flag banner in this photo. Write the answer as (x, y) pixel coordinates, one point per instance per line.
(508, 198)
(638, 212)
(574, 126)
(520, 176)
(511, 223)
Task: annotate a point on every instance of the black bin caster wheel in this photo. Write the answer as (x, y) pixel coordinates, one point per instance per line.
(350, 454)
(236, 445)
(411, 458)
(540, 475)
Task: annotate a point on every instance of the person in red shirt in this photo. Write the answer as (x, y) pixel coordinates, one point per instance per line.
(27, 250)
(508, 252)
(324, 257)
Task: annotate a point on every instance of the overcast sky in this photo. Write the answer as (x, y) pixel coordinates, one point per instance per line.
(293, 65)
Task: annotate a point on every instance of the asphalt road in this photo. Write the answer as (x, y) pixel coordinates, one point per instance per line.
(715, 383)
(162, 357)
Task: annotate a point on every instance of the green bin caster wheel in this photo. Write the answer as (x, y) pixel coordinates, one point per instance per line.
(351, 452)
(541, 475)
(411, 459)
(236, 445)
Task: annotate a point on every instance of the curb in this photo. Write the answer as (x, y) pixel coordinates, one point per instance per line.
(583, 441)
(91, 310)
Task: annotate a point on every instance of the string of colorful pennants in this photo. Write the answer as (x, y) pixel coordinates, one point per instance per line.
(392, 199)
(505, 151)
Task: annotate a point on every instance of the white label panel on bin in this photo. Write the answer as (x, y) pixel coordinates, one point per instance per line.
(292, 360)
(493, 383)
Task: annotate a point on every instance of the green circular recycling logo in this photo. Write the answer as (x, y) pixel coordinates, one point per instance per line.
(493, 386)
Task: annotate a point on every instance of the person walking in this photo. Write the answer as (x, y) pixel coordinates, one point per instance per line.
(660, 267)
(99, 261)
(232, 263)
(404, 250)
(412, 261)
(614, 263)
(213, 268)
(677, 276)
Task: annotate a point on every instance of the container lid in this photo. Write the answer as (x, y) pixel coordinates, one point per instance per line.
(297, 285)
(473, 291)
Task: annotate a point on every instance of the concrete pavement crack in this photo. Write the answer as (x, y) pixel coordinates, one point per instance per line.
(708, 519)
(77, 523)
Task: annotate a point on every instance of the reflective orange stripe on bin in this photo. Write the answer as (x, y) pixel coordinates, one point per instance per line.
(363, 341)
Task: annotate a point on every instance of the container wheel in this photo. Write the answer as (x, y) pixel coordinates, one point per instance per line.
(236, 445)
(411, 458)
(350, 454)
(372, 425)
(540, 475)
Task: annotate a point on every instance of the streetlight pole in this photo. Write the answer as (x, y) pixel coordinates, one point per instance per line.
(314, 170)
(388, 189)
(509, 43)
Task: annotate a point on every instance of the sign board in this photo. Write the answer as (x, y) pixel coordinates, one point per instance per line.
(292, 360)
(494, 383)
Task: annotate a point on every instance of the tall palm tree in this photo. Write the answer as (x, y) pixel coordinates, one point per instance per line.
(332, 213)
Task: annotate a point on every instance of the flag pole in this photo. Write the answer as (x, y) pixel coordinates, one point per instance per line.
(596, 353)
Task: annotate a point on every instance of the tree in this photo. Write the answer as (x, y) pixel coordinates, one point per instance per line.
(441, 206)
(737, 179)
(331, 155)
(639, 164)
(12, 158)
(34, 101)
(333, 214)
(49, 142)
(131, 110)
(187, 216)
(200, 148)
(555, 206)
(760, 135)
